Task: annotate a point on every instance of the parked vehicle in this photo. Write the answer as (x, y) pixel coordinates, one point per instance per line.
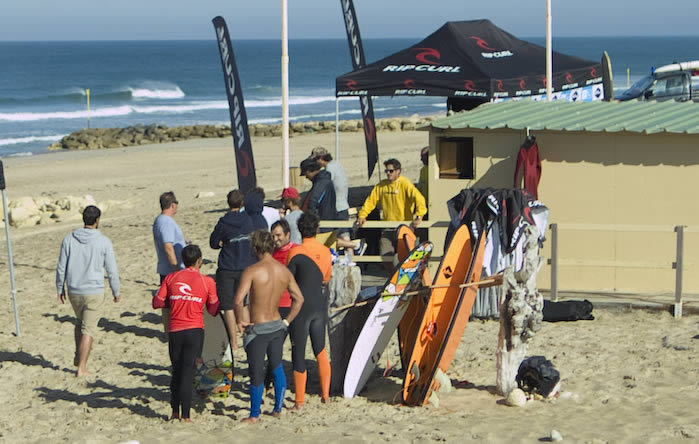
(678, 81)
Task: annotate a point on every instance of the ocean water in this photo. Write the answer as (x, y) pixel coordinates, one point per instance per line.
(43, 98)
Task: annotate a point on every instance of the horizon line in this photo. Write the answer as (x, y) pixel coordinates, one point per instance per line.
(333, 38)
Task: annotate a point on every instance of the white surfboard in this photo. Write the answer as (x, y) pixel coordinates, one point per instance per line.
(682, 66)
(384, 319)
(215, 340)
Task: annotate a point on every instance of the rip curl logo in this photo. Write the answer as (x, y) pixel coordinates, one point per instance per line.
(482, 43)
(469, 85)
(409, 83)
(493, 53)
(429, 56)
(593, 72)
(499, 86)
(351, 84)
(522, 84)
(369, 129)
(185, 289)
(569, 77)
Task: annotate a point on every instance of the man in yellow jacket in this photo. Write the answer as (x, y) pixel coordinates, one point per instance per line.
(398, 197)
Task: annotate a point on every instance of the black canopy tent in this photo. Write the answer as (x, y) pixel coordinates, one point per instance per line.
(472, 60)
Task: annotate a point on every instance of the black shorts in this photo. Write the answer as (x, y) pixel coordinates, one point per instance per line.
(227, 283)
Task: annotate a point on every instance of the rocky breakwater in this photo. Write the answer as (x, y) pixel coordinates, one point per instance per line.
(27, 211)
(98, 138)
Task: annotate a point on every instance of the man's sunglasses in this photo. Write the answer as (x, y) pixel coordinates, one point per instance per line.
(387, 171)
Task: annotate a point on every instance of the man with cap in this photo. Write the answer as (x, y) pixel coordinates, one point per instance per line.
(291, 201)
(321, 198)
(339, 180)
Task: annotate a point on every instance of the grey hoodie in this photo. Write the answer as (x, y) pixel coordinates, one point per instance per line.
(85, 255)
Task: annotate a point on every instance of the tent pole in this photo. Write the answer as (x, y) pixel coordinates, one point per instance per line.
(549, 73)
(337, 128)
(285, 96)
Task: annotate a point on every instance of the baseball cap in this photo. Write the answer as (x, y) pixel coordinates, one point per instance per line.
(318, 152)
(309, 165)
(290, 193)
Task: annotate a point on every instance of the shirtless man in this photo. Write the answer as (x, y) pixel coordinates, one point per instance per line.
(265, 330)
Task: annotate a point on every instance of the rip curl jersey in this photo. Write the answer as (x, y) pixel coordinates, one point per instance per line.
(185, 293)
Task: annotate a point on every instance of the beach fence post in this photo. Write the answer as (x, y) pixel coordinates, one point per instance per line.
(628, 78)
(87, 94)
(677, 265)
(554, 262)
(337, 128)
(10, 261)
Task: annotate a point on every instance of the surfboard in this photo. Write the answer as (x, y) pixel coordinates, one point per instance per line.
(384, 318)
(215, 340)
(407, 328)
(213, 376)
(445, 316)
(607, 79)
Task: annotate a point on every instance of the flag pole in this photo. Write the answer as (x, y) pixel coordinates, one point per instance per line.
(285, 95)
(549, 73)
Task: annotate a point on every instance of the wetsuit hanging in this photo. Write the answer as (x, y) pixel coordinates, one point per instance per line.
(530, 164)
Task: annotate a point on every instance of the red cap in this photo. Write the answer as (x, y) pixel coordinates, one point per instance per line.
(290, 192)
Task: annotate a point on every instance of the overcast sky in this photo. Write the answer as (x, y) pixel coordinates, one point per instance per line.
(260, 19)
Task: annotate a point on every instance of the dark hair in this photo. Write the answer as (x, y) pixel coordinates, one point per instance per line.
(309, 165)
(281, 223)
(235, 199)
(308, 224)
(259, 191)
(90, 214)
(167, 199)
(262, 242)
(394, 162)
(326, 157)
(190, 254)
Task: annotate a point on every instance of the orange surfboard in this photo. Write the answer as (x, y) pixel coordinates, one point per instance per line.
(445, 317)
(407, 329)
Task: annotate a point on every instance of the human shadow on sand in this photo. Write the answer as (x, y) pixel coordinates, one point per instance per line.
(110, 396)
(115, 327)
(25, 358)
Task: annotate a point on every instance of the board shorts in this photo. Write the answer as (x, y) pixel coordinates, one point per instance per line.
(88, 309)
(227, 283)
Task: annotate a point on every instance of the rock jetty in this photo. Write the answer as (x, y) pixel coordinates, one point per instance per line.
(98, 138)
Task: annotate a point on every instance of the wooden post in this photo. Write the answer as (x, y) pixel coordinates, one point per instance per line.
(679, 229)
(87, 94)
(554, 262)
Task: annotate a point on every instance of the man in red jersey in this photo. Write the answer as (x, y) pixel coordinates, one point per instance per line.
(281, 232)
(185, 293)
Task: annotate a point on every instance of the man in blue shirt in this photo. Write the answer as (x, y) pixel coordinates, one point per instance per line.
(169, 242)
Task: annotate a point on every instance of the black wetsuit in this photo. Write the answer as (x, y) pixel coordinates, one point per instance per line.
(312, 318)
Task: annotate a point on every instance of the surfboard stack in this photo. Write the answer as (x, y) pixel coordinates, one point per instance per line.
(434, 322)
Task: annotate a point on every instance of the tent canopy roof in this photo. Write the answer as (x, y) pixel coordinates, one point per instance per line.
(470, 59)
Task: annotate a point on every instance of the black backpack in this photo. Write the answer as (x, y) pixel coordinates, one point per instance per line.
(536, 374)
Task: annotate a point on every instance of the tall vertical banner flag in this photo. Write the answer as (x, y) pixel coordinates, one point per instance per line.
(358, 61)
(236, 108)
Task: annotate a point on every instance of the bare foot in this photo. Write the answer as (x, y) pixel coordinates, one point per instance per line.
(187, 420)
(296, 408)
(250, 420)
(325, 400)
(276, 414)
(82, 372)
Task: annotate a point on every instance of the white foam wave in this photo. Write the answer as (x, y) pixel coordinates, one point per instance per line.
(25, 154)
(145, 93)
(298, 100)
(29, 139)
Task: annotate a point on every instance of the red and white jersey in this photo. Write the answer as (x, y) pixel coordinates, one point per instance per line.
(185, 293)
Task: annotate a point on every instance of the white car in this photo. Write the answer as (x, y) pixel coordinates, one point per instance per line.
(678, 81)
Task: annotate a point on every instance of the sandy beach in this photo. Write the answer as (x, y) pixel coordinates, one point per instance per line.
(628, 376)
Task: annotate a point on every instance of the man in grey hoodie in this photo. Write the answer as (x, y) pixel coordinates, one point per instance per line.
(85, 255)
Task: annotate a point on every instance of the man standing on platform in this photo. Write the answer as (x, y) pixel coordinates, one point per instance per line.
(397, 196)
(85, 255)
(291, 202)
(321, 198)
